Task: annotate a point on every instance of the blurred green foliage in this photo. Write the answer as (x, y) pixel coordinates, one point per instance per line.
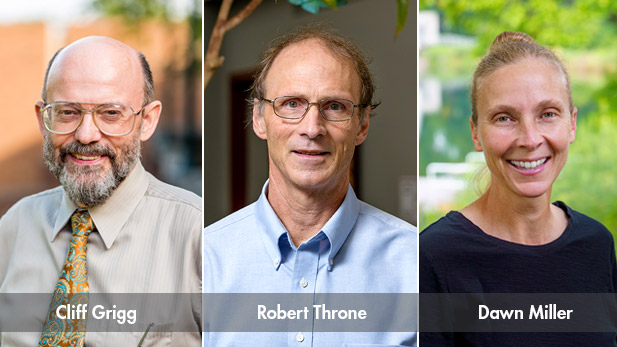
(565, 23)
(450, 63)
(446, 134)
(134, 10)
(402, 7)
(588, 182)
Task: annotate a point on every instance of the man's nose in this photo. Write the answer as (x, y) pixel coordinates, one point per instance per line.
(313, 124)
(88, 132)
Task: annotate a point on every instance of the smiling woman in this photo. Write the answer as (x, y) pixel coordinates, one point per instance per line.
(512, 239)
(524, 127)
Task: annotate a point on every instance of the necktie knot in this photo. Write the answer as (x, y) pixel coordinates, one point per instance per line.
(81, 223)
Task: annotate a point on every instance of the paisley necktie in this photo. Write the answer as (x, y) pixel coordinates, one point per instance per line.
(71, 291)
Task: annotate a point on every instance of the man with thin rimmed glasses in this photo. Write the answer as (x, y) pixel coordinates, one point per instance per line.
(111, 227)
(307, 234)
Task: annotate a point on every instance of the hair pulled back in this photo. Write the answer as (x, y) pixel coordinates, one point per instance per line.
(510, 48)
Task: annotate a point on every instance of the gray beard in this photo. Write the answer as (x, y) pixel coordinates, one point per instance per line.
(91, 186)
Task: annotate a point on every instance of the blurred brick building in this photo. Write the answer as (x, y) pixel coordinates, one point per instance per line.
(173, 154)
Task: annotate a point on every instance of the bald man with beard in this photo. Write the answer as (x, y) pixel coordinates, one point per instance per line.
(111, 227)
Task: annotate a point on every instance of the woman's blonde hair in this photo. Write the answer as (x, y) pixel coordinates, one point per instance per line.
(510, 48)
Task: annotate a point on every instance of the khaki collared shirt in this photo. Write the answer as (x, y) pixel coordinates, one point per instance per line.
(147, 240)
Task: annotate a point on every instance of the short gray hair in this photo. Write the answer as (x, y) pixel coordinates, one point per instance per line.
(336, 44)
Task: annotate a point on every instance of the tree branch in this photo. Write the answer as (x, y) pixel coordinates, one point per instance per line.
(213, 59)
(242, 15)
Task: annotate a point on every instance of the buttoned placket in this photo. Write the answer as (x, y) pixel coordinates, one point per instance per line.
(307, 261)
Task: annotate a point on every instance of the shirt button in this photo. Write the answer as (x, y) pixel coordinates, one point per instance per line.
(299, 337)
(303, 283)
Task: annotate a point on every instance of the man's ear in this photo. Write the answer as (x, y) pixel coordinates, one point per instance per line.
(474, 136)
(259, 124)
(39, 116)
(363, 131)
(150, 119)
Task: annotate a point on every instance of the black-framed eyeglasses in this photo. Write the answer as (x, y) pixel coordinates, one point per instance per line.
(295, 107)
(111, 119)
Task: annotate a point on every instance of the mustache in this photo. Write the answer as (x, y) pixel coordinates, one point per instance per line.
(96, 149)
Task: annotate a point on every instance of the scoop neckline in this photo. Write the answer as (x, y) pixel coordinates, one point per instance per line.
(476, 230)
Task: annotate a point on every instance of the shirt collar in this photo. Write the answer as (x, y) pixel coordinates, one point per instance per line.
(339, 226)
(271, 226)
(109, 217)
(336, 230)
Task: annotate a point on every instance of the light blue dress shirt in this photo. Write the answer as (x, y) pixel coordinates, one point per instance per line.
(361, 249)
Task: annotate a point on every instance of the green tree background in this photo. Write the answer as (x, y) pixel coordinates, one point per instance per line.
(584, 34)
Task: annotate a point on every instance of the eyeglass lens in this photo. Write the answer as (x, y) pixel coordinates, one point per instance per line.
(111, 119)
(295, 107)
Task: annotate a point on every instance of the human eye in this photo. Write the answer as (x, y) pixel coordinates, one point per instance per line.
(65, 112)
(503, 118)
(290, 103)
(110, 113)
(334, 106)
(548, 114)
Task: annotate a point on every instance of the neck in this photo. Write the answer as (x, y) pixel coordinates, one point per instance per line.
(302, 211)
(503, 214)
